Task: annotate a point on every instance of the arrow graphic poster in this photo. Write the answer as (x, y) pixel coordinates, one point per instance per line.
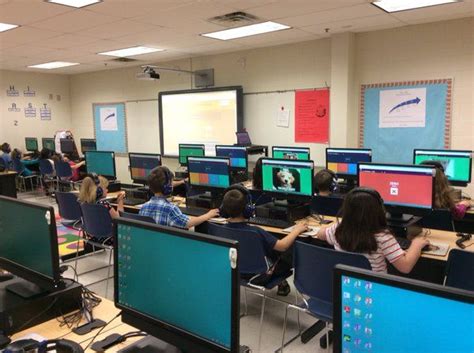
(108, 119)
(401, 108)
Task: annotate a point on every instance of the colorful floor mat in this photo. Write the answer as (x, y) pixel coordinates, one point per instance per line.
(67, 240)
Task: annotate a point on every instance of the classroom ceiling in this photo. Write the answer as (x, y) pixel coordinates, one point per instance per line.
(51, 32)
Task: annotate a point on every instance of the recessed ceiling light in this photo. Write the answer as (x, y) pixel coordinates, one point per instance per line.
(74, 3)
(246, 31)
(53, 65)
(130, 51)
(6, 26)
(402, 5)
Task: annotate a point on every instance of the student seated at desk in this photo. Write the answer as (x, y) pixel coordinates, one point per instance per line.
(278, 251)
(164, 212)
(22, 164)
(445, 194)
(47, 154)
(325, 182)
(94, 190)
(74, 167)
(364, 230)
(7, 159)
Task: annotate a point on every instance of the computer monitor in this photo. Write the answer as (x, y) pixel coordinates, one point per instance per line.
(289, 179)
(404, 188)
(243, 138)
(179, 286)
(31, 144)
(343, 161)
(375, 312)
(190, 149)
(209, 173)
(457, 164)
(88, 145)
(48, 143)
(237, 154)
(29, 249)
(141, 165)
(295, 153)
(67, 146)
(101, 163)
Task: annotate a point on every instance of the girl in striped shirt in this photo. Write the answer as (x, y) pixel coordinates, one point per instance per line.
(364, 230)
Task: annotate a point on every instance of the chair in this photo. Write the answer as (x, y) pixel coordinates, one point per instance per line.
(64, 173)
(19, 167)
(47, 172)
(460, 269)
(97, 231)
(252, 261)
(313, 278)
(137, 217)
(69, 208)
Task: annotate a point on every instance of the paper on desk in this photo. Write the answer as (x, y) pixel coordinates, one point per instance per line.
(312, 232)
(219, 220)
(440, 250)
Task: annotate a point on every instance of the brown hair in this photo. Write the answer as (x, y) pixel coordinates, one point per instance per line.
(157, 179)
(234, 202)
(16, 154)
(88, 192)
(323, 180)
(444, 193)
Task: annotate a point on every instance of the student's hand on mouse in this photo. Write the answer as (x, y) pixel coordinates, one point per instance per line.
(301, 227)
(213, 213)
(420, 242)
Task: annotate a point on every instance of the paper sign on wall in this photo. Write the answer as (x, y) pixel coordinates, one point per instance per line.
(312, 116)
(402, 108)
(108, 119)
(283, 117)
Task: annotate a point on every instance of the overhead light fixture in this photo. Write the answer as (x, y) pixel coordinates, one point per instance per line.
(246, 31)
(74, 3)
(53, 65)
(403, 5)
(130, 51)
(6, 26)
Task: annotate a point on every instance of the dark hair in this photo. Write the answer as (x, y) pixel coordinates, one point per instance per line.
(257, 174)
(323, 180)
(5, 147)
(234, 203)
(363, 216)
(16, 154)
(157, 178)
(45, 153)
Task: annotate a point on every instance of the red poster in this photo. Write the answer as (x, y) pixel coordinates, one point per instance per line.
(312, 116)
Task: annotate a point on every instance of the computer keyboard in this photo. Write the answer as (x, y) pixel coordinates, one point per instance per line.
(276, 223)
(193, 211)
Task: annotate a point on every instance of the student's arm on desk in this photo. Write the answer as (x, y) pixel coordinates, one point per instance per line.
(283, 244)
(195, 221)
(407, 261)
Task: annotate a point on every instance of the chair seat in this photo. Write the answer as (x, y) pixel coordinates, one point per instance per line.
(319, 309)
(275, 281)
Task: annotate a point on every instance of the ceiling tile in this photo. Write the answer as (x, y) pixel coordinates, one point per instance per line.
(118, 29)
(76, 20)
(24, 12)
(65, 41)
(275, 38)
(24, 35)
(135, 8)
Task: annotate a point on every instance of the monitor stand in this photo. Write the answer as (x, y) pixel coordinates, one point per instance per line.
(284, 209)
(150, 344)
(403, 225)
(25, 289)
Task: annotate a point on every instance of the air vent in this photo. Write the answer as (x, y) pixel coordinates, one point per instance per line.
(234, 19)
(124, 60)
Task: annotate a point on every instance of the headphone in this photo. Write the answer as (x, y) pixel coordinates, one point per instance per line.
(372, 192)
(60, 346)
(249, 209)
(435, 164)
(167, 187)
(99, 191)
(334, 186)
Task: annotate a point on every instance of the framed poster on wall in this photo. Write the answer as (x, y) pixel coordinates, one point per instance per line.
(110, 127)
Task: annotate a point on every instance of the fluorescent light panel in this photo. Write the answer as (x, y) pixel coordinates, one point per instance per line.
(75, 3)
(6, 26)
(130, 51)
(246, 31)
(53, 65)
(402, 5)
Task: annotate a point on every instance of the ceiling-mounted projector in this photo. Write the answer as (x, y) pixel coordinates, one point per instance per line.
(148, 74)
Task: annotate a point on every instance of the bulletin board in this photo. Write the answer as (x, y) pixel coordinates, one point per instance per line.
(397, 117)
(110, 127)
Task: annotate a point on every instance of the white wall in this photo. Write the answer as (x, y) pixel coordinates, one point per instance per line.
(43, 85)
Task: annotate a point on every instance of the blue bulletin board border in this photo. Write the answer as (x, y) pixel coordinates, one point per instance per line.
(106, 140)
(396, 145)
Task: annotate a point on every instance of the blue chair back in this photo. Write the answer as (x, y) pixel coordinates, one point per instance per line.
(96, 220)
(63, 169)
(136, 217)
(251, 250)
(45, 167)
(69, 207)
(460, 269)
(18, 165)
(314, 268)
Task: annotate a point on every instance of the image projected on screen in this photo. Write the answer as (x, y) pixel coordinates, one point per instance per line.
(292, 177)
(294, 153)
(192, 295)
(385, 319)
(101, 163)
(457, 164)
(203, 117)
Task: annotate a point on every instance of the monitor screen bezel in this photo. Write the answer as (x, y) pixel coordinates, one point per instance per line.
(236, 147)
(84, 140)
(26, 144)
(390, 280)
(197, 145)
(167, 332)
(289, 195)
(239, 101)
(451, 181)
(345, 175)
(306, 150)
(141, 181)
(48, 138)
(413, 210)
(64, 141)
(211, 188)
(40, 279)
(113, 159)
